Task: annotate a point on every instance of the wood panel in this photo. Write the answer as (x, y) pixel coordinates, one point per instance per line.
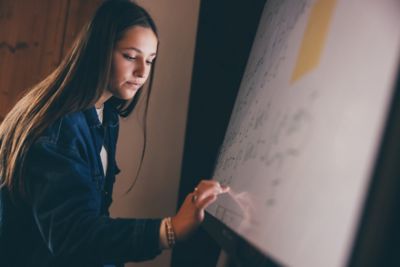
(34, 35)
(79, 13)
(31, 36)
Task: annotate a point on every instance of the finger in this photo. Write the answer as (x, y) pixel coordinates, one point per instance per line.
(217, 183)
(221, 188)
(211, 189)
(225, 189)
(203, 184)
(206, 201)
(193, 198)
(206, 192)
(210, 195)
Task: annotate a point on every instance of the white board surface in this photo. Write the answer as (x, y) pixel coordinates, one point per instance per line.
(306, 127)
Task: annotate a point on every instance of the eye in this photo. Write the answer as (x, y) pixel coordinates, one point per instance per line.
(150, 61)
(128, 57)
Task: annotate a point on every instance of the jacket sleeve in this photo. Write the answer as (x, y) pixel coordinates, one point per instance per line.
(66, 208)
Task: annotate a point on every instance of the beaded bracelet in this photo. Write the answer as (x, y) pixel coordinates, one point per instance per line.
(170, 232)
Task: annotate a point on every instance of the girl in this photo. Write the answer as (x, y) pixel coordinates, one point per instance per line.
(57, 154)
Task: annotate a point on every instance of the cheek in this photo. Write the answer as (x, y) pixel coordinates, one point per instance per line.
(119, 72)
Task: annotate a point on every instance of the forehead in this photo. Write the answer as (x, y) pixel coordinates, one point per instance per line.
(141, 38)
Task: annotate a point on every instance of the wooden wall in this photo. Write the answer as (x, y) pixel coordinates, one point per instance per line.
(34, 36)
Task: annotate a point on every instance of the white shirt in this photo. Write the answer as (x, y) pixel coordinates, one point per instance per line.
(103, 152)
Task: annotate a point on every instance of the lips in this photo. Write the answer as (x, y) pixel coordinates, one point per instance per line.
(135, 83)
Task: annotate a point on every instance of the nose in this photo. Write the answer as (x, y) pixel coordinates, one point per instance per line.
(140, 68)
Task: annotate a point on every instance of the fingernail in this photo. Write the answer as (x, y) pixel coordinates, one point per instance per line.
(225, 187)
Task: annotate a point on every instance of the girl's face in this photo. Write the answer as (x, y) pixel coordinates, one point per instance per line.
(132, 59)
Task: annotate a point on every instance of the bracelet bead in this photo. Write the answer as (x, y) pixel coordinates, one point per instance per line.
(170, 232)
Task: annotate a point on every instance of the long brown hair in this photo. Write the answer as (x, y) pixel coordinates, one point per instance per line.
(75, 85)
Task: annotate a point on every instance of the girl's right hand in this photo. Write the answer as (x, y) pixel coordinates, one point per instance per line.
(191, 213)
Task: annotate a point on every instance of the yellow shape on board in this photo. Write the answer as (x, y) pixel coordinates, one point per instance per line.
(314, 38)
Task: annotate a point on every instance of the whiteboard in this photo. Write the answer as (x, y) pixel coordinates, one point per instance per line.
(306, 127)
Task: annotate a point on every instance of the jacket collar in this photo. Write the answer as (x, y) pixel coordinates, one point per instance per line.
(110, 116)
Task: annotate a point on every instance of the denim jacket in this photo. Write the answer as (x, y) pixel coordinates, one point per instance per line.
(66, 221)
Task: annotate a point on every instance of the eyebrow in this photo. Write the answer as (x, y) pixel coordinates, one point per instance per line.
(138, 50)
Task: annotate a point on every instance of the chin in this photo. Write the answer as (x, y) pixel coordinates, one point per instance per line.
(128, 96)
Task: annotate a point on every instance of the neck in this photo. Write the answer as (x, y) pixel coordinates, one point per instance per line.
(102, 100)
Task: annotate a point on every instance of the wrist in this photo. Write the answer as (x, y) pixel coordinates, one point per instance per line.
(163, 235)
(175, 226)
(167, 234)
